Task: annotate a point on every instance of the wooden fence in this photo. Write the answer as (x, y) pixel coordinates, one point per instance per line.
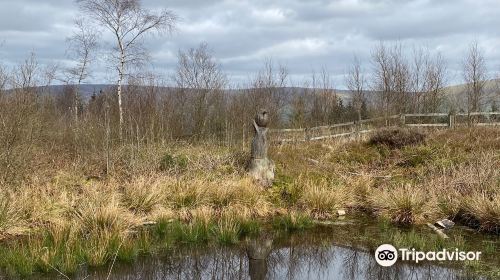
(428, 120)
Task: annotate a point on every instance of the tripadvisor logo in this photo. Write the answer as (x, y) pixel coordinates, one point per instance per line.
(387, 255)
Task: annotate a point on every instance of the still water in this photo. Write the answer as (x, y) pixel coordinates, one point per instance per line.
(325, 252)
(298, 262)
(309, 255)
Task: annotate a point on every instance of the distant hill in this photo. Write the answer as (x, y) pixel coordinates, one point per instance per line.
(491, 86)
(87, 90)
(455, 95)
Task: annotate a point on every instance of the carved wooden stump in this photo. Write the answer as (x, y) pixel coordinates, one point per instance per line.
(260, 167)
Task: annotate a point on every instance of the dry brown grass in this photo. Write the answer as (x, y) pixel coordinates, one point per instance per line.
(484, 209)
(323, 198)
(144, 194)
(404, 205)
(11, 222)
(105, 214)
(73, 218)
(354, 175)
(470, 191)
(360, 187)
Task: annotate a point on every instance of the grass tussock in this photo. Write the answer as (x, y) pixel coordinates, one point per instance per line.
(323, 198)
(143, 194)
(403, 205)
(10, 217)
(105, 215)
(485, 210)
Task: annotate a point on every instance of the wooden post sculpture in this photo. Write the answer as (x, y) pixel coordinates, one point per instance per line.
(260, 167)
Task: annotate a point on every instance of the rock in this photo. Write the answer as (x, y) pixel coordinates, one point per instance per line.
(438, 231)
(327, 147)
(335, 223)
(313, 161)
(343, 223)
(445, 224)
(323, 223)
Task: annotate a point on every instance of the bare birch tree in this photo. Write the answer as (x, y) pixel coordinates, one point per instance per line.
(401, 80)
(268, 90)
(355, 81)
(474, 74)
(418, 77)
(129, 22)
(382, 78)
(3, 79)
(82, 46)
(434, 83)
(26, 78)
(392, 79)
(200, 78)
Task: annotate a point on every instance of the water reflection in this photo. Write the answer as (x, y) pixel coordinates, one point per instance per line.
(294, 257)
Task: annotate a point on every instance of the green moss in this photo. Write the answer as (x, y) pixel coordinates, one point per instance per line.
(384, 223)
(489, 247)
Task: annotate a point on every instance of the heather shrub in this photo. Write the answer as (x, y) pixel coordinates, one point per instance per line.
(396, 138)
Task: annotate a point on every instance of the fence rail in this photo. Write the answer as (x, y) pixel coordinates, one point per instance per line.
(426, 120)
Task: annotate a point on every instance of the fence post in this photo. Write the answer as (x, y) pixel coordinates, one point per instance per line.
(451, 120)
(402, 118)
(306, 134)
(357, 129)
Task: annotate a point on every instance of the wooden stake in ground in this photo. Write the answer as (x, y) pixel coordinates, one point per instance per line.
(260, 167)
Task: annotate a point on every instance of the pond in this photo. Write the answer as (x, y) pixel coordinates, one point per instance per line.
(297, 262)
(335, 250)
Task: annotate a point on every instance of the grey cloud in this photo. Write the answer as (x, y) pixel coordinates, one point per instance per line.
(304, 35)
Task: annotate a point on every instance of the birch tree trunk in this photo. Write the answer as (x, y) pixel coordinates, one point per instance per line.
(119, 94)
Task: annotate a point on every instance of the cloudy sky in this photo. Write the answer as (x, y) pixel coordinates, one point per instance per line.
(302, 34)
